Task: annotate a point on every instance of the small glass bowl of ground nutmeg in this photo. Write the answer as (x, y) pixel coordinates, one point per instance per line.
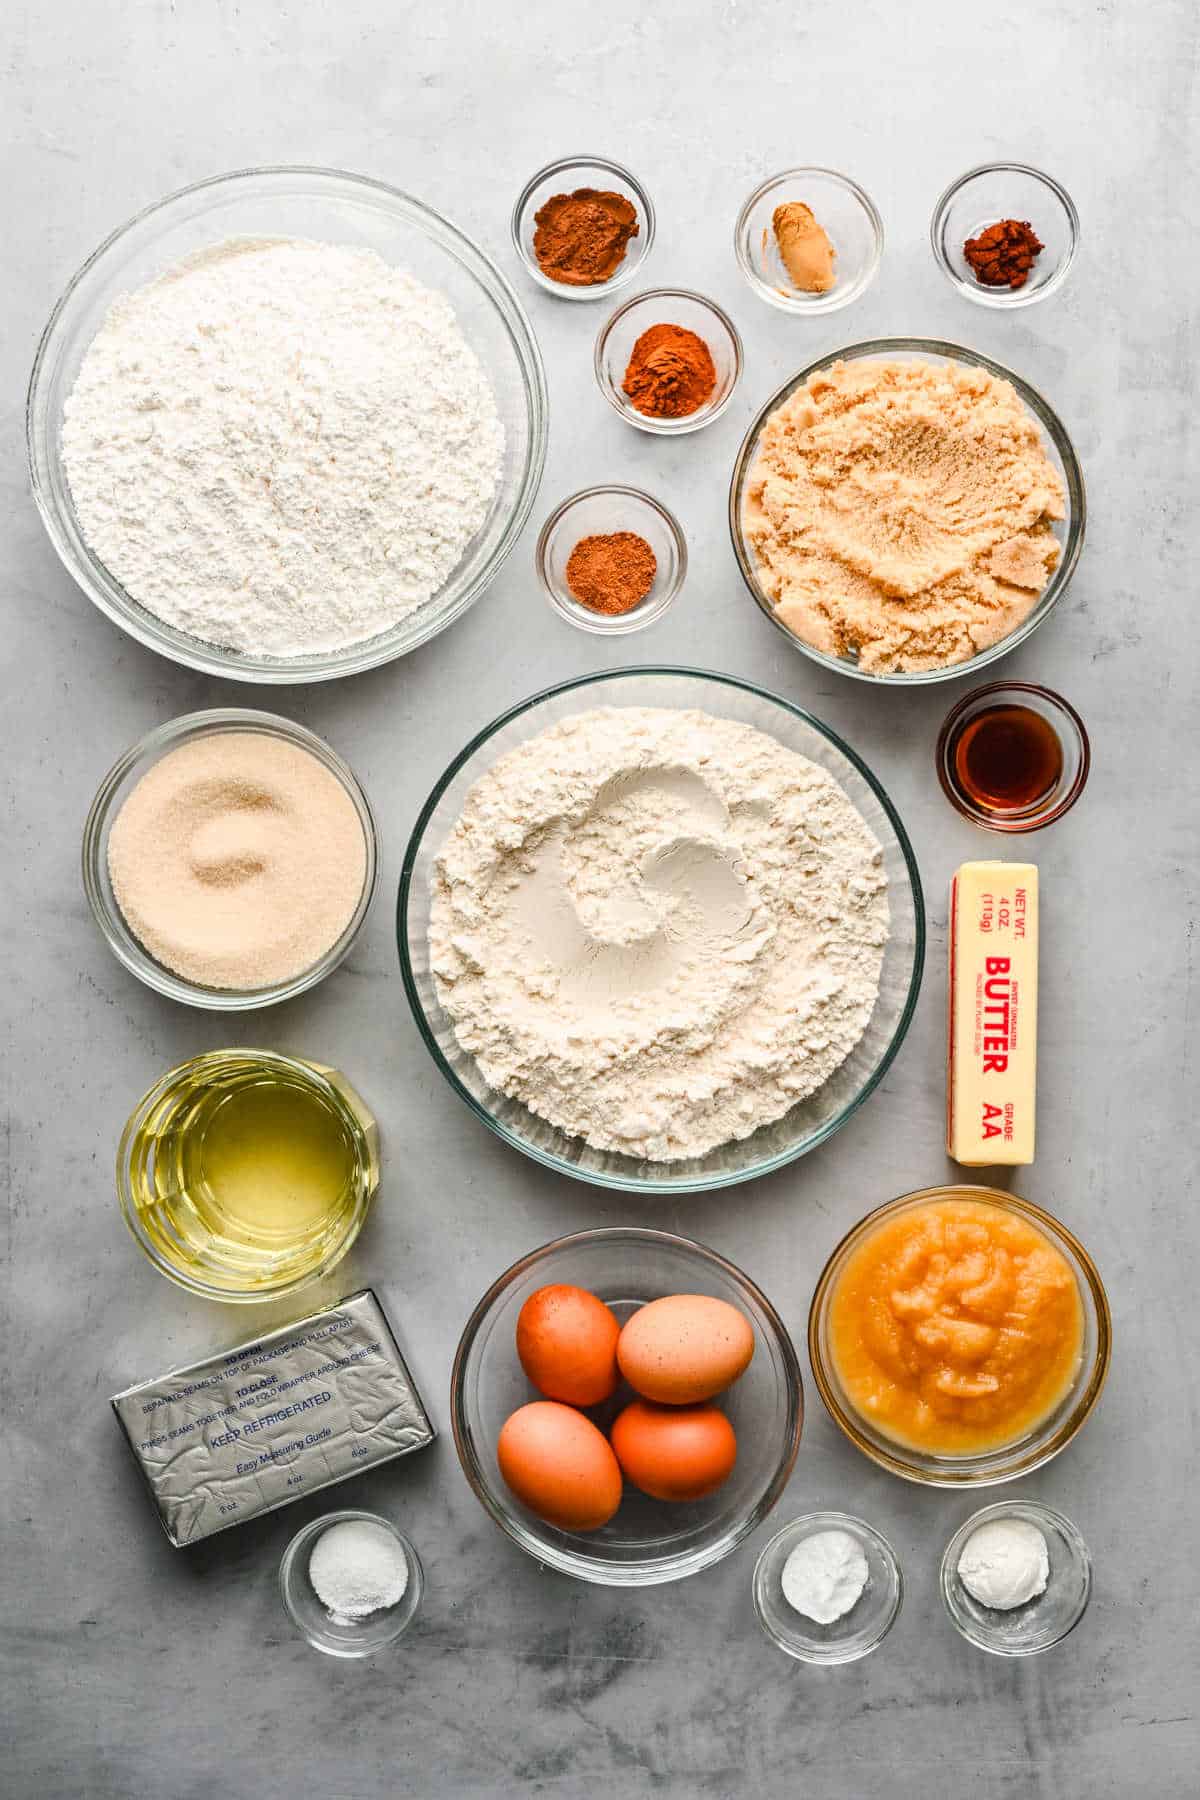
(668, 360)
(611, 559)
(1005, 234)
(583, 226)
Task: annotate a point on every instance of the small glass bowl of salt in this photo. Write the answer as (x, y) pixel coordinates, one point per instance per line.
(827, 1588)
(1016, 1578)
(351, 1583)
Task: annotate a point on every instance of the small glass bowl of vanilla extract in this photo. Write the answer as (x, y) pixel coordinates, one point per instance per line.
(1013, 756)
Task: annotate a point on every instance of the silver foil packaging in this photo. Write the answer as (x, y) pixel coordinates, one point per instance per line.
(286, 1415)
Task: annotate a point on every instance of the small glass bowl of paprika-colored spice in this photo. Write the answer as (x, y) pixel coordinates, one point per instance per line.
(1005, 235)
(611, 559)
(668, 361)
(583, 226)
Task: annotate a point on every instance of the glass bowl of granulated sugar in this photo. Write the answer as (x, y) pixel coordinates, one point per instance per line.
(252, 467)
(670, 995)
(229, 859)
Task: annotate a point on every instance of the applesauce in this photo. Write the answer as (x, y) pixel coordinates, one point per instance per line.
(955, 1327)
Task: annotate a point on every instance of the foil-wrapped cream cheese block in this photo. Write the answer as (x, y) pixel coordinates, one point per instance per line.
(286, 1415)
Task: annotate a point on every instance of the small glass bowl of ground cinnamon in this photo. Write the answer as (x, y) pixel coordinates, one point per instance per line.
(668, 360)
(1036, 210)
(583, 226)
(611, 560)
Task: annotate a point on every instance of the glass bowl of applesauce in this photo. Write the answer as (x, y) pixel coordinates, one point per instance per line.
(947, 1265)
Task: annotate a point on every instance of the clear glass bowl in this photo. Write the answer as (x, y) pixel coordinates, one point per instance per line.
(986, 1468)
(600, 511)
(1058, 446)
(647, 1541)
(1068, 728)
(983, 197)
(668, 306)
(848, 215)
(857, 1632)
(807, 1124)
(1043, 1621)
(564, 176)
(330, 206)
(310, 1615)
(228, 1270)
(112, 794)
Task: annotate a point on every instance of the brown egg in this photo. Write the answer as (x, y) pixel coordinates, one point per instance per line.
(674, 1452)
(684, 1348)
(567, 1343)
(557, 1462)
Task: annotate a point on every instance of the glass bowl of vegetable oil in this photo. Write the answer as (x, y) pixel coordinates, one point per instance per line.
(244, 1174)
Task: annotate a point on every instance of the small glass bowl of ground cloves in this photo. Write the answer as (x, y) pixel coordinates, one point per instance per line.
(583, 227)
(611, 560)
(1005, 234)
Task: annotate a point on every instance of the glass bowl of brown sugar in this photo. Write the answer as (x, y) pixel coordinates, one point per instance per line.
(611, 560)
(668, 361)
(583, 226)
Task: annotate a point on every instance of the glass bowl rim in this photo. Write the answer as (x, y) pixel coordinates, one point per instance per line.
(623, 1183)
(625, 622)
(596, 290)
(997, 298)
(316, 1528)
(977, 816)
(307, 1072)
(371, 653)
(1001, 1509)
(704, 415)
(954, 1472)
(833, 301)
(827, 1518)
(657, 1570)
(159, 742)
(1033, 401)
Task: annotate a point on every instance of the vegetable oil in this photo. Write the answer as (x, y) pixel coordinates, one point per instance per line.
(244, 1174)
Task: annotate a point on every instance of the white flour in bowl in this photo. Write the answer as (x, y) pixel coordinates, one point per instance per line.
(281, 447)
(658, 929)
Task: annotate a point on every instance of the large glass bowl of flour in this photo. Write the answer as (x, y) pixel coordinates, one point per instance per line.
(809, 1122)
(322, 206)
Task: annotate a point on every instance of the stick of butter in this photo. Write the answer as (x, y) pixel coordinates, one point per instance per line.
(991, 1079)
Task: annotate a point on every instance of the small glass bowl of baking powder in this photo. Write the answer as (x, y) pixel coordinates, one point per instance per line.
(601, 512)
(862, 1628)
(1041, 1622)
(845, 211)
(330, 1632)
(564, 177)
(668, 306)
(986, 195)
(112, 794)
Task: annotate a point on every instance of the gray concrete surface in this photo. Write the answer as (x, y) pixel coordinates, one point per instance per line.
(133, 1671)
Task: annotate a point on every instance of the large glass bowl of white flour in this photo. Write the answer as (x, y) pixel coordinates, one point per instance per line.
(286, 425)
(661, 930)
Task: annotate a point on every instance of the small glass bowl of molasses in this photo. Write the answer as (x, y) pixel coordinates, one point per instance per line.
(1013, 756)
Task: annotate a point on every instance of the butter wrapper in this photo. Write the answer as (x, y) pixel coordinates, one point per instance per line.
(991, 1089)
(273, 1420)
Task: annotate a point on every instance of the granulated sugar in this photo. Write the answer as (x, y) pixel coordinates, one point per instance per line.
(238, 860)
